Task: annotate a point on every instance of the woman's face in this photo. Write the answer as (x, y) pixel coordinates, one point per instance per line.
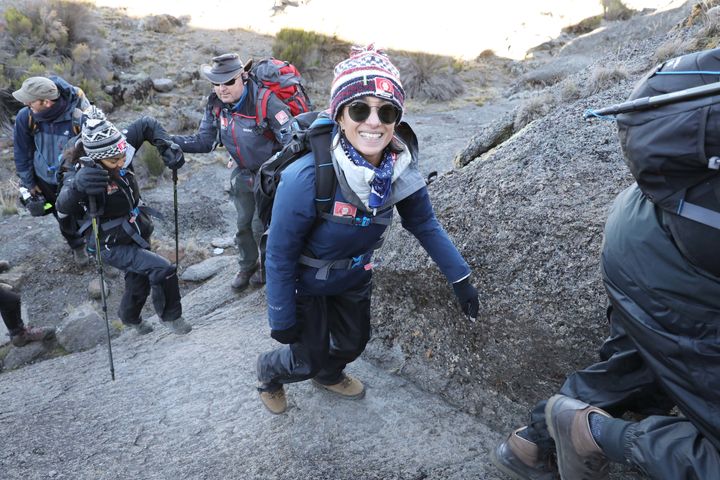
(113, 163)
(369, 135)
(230, 91)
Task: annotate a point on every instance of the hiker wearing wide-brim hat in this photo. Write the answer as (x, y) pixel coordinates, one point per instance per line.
(319, 266)
(51, 116)
(123, 219)
(224, 68)
(231, 120)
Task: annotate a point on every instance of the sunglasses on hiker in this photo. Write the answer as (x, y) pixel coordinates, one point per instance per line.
(360, 111)
(229, 83)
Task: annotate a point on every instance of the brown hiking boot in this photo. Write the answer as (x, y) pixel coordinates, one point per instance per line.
(519, 458)
(274, 400)
(349, 387)
(578, 454)
(32, 334)
(242, 279)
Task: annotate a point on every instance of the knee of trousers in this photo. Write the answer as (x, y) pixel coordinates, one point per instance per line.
(163, 275)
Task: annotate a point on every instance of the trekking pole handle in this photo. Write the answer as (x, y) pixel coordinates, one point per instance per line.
(88, 162)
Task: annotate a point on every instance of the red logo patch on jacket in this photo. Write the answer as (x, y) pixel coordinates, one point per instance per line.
(342, 209)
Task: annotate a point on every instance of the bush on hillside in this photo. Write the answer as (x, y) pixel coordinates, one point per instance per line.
(429, 77)
(55, 37)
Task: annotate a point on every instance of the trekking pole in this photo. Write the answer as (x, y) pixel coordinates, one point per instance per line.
(87, 162)
(175, 204)
(646, 103)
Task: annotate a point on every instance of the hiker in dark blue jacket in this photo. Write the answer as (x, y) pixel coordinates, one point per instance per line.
(319, 271)
(230, 119)
(123, 219)
(51, 116)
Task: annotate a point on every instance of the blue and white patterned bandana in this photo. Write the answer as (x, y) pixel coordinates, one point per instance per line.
(382, 180)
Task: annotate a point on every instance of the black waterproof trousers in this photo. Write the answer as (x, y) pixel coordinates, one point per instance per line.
(335, 330)
(10, 311)
(663, 350)
(145, 271)
(69, 224)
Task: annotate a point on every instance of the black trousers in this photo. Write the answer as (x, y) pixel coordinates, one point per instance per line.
(335, 331)
(10, 311)
(69, 224)
(145, 271)
(634, 375)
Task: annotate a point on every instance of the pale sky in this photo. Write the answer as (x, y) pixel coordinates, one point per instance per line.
(459, 28)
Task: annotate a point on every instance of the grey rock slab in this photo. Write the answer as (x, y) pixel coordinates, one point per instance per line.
(206, 269)
(83, 328)
(19, 356)
(185, 407)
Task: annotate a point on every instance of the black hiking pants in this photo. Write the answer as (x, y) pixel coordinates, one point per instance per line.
(10, 311)
(335, 330)
(69, 224)
(145, 271)
(634, 374)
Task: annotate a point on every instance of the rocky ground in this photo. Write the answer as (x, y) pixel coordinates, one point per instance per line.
(184, 407)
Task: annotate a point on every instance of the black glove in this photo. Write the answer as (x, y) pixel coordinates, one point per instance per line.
(287, 336)
(467, 295)
(91, 180)
(173, 156)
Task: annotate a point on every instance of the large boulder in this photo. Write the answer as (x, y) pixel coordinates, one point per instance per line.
(529, 220)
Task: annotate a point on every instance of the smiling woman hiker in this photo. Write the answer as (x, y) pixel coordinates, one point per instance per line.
(123, 220)
(319, 270)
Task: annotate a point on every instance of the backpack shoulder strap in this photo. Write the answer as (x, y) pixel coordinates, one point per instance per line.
(77, 119)
(319, 138)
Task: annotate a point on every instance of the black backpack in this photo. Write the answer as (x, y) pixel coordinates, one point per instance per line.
(673, 150)
(309, 135)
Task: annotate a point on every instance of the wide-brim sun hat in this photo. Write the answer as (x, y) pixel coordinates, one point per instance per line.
(223, 69)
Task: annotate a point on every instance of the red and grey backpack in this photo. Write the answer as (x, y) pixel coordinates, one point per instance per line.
(269, 77)
(281, 78)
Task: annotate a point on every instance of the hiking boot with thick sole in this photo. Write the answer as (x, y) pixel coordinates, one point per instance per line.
(349, 387)
(274, 399)
(32, 334)
(142, 328)
(80, 257)
(179, 326)
(578, 455)
(519, 458)
(242, 279)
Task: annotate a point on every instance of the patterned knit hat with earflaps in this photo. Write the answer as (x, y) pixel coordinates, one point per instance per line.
(101, 138)
(368, 71)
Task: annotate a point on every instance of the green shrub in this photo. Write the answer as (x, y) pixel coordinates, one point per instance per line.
(59, 37)
(429, 77)
(150, 157)
(299, 47)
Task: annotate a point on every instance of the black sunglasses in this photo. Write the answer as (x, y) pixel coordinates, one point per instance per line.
(229, 83)
(360, 111)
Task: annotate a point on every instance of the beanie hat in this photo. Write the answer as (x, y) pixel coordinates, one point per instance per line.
(101, 138)
(368, 71)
